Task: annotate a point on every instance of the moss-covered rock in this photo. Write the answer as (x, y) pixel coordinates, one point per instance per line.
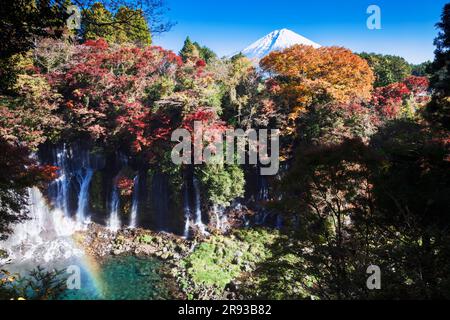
(218, 260)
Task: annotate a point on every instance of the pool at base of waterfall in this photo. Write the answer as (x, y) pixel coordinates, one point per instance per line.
(122, 278)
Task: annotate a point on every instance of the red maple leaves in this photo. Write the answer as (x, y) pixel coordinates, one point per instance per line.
(389, 100)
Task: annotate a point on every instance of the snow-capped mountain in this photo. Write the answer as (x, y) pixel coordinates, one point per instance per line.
(274, 41)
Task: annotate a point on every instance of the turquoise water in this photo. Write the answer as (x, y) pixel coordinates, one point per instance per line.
(122, 278)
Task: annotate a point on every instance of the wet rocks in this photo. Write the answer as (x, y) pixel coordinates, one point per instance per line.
(100, 242)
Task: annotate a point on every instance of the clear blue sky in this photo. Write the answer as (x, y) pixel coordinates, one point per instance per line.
(408, 27)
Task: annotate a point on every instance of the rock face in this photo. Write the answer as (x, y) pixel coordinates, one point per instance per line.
(275, 41)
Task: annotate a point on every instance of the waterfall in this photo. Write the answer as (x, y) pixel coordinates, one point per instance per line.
(198, 209)
(221, 219)
(135, 203)
(114, 223)
(63, 181)
(84, 179)
(263, 188)
(114, 220)
(83, 176)
(44, 237)
(187, 211)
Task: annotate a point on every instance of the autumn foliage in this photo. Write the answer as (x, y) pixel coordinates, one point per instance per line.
(303, 76)
(389, 100)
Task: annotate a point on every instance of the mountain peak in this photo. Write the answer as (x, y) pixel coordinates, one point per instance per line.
(275, 41)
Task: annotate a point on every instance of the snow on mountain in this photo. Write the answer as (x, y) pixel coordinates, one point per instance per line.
(275, 41)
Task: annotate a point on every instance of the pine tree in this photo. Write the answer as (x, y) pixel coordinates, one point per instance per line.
(206, 53)
(97, 22)
(127, 25)
(134, 27)
(438, 111)
(441, 65)
(189, 50)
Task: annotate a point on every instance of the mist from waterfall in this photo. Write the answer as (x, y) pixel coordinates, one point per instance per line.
(45, 236)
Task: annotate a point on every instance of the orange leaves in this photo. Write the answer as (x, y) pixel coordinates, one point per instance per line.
(320, 75)
(302, 77)
(48, 172)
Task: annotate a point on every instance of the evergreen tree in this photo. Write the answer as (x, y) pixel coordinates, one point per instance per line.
(189, 50)
(205, 53)
(193, 50)
(422, 69)
(134, 29)
(127, 25)
(438, 111)
(440, 68)
(97, 22)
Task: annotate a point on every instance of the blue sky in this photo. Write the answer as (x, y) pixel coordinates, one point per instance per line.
(408, 27)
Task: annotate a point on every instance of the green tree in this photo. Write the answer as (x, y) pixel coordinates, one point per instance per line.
(127, 25)
(422, 69)
(134, 28)
(222, 183)
(441, 65)
(153, 12)
(98, 22)
(438, 111)
(193, 51)
(189, 50)
(205, 53)
(387, 68)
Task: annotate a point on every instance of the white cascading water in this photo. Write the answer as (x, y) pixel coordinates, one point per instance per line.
(135, 203)
(114, 223)
(45, 237)
(220, 217)
(84, 179)
(198, 209)
(263, 193)
(187, 212)
(83, 175)
(63, 181)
